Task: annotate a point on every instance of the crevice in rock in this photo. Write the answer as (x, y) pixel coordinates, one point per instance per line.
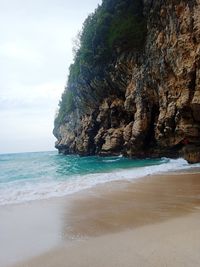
(150, 140)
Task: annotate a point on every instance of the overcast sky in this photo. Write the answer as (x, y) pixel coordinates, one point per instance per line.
(35, 53)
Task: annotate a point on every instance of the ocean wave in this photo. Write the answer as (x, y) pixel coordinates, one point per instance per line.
(111, 160)
(29, 190)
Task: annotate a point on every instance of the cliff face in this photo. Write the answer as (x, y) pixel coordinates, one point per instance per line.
(145, 102)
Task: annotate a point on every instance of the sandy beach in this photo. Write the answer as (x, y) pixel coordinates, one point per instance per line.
(152, 221)
(171, 243)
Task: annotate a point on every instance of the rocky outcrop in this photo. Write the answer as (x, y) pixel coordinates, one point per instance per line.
(146, 103)
(192, 153)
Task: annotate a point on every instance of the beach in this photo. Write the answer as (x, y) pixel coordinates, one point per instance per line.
(171, 243)
(152, 221)
(100, 133)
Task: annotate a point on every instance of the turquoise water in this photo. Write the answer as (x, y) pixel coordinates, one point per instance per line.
(31, 176)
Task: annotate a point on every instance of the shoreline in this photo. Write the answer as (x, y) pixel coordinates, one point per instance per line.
(108, 211)
(55, 187)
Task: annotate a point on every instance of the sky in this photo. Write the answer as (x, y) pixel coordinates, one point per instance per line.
(35, 53)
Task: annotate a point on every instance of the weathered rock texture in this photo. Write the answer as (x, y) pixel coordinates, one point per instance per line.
(147, 103)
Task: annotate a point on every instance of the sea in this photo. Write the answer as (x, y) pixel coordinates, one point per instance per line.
(41, 175)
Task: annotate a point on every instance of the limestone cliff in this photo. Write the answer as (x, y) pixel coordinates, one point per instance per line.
(144, 102)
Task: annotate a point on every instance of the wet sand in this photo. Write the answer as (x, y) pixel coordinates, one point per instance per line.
(29, 229)
(152, 221)
(121, 205)
(174, 243)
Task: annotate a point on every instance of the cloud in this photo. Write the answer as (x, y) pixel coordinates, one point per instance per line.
(19, 52)
(41, 96)
(35, 53)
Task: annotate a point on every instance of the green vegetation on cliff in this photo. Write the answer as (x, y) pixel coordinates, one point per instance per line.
(114, 27)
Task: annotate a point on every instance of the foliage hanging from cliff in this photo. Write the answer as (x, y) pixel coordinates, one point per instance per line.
(66, 106)
(115, 24)
(114, 27)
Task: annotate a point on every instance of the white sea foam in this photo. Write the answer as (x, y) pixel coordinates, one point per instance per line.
(23, 191)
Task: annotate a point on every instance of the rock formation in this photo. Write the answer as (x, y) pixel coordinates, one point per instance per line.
(145, 102)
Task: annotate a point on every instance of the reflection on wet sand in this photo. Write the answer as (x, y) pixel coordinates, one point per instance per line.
(124, 205)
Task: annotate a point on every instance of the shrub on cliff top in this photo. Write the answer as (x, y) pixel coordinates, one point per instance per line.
(114, 23)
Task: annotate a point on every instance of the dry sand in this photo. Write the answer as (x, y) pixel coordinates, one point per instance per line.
(154, 221)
